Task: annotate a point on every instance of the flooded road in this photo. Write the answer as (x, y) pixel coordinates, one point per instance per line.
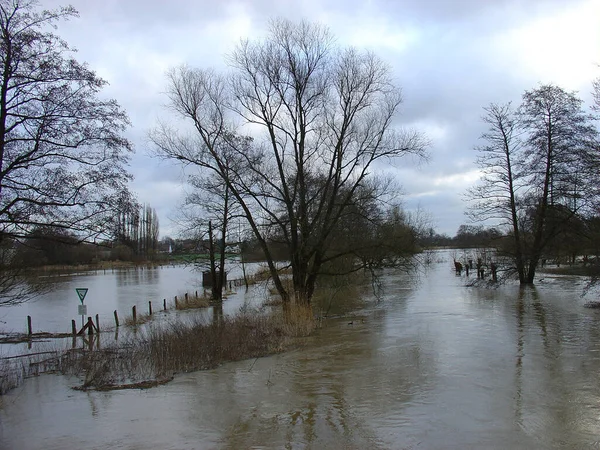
(432, 365)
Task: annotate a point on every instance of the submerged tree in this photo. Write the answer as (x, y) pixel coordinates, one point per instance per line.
(539, 172)
(495, 197)
(208, 211)
(62, 153)
(322, 117)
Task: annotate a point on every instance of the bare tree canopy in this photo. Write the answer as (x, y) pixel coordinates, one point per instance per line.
(540, 166)
(321, 118)
(62, 153)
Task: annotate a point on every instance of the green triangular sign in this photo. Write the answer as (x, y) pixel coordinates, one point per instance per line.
(81, 292)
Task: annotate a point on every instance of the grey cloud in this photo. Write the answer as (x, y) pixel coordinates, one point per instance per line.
(448, 72)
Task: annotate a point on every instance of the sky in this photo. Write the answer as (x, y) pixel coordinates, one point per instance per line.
(450, 57)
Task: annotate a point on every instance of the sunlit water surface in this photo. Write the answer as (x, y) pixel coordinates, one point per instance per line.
(433, 364)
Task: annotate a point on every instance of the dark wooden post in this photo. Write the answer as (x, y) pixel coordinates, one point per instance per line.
(150, 308)
(90, 326)
(97, 323)
(133, 313)
(175, 302)
(196, 294)
(164, 304)
(116, 318)
(29, 329)
(186, 297)
(73, 327)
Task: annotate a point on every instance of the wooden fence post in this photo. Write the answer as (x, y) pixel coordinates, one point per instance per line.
(97, 323)
(90, 326)
(133, 313)
(150, 308)
(175, 302)
(29, 329)
(73, 327)
(164, 304)
(116, 318)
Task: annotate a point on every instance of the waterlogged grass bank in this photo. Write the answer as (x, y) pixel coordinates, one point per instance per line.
(155, 357)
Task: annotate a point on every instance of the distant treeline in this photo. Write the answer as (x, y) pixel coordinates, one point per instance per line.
(581, 238)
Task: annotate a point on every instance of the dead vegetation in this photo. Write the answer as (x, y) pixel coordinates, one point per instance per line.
(162, 351)
(186, 301)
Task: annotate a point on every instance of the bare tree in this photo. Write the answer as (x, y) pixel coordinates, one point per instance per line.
(562, 158)
(210, 208)
(322, 117)
(539, 167)
(62, 153)
(502, 179)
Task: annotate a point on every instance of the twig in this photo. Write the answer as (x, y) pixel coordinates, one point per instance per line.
(252, 365)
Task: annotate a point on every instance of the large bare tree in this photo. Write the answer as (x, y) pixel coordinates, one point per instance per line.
(321, 118)
(62, 152)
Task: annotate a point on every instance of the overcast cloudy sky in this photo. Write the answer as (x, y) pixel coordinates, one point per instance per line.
(451, 57)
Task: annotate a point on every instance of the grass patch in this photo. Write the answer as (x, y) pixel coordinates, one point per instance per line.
(187, 301)
(140, 319)
(162, 351)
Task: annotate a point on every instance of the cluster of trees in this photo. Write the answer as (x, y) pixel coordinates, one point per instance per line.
(321, 119)
(137, 231)
(540, 164)
(282, 152)
(62, 150)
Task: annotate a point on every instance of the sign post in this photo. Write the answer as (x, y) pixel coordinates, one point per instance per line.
(82, 309)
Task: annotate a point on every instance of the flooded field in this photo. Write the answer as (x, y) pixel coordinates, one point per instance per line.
(433, 364)
(108, 290)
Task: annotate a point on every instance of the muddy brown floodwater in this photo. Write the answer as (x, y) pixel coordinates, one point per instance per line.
(433, 365)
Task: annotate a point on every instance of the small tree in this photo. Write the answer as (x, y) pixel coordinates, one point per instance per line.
(208, 209)
(62, 153)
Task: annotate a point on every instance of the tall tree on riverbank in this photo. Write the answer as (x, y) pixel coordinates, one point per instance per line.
(539, 169)
(62, 153)
(322, 117)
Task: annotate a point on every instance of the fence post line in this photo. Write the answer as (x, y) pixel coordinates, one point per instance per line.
(73, 327)
(150, 307)
(97, 323)
(164, 304)
(116, 318)
(175, 302)
(29, 328)
(133, 313)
